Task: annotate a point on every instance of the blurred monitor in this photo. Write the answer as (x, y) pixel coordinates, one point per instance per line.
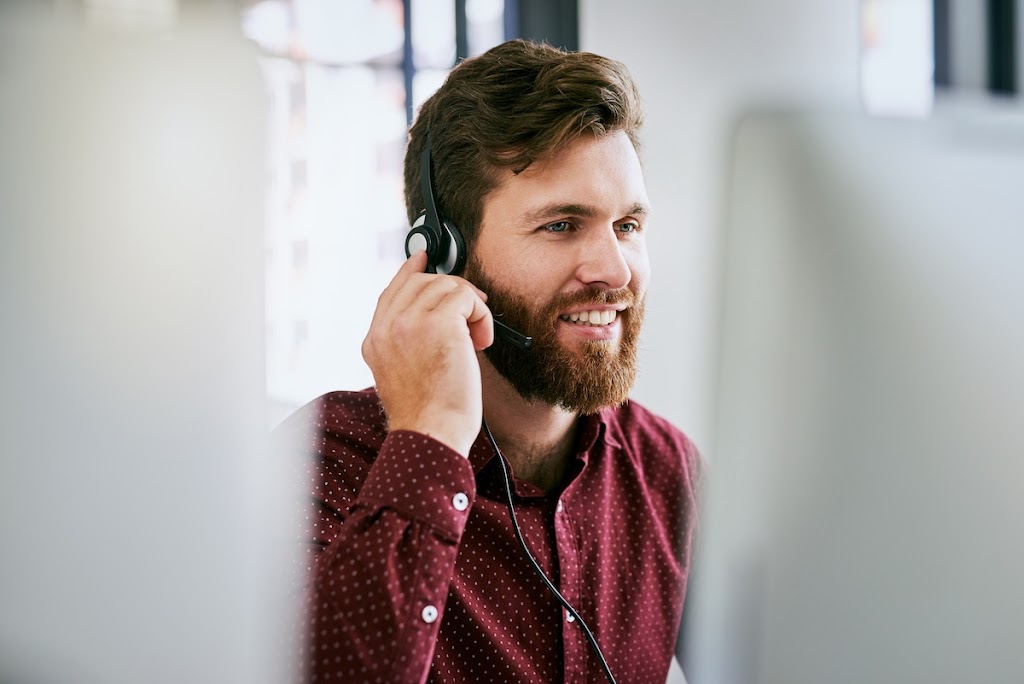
(139, 510)
(864, 507)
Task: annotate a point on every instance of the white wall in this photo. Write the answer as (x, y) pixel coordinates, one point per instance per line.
(696, 62)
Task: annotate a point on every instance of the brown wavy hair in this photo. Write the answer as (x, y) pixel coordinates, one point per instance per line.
(514, 104)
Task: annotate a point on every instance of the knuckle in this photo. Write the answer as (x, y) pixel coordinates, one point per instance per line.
(460, 290)
(442, 282)
(367, 350)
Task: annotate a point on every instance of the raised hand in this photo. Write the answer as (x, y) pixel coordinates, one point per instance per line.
(421, 348)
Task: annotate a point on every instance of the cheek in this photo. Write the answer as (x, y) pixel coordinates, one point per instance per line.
(640, 266)
(543, 273)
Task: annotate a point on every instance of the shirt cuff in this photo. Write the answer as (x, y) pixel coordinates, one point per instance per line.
(423, 479)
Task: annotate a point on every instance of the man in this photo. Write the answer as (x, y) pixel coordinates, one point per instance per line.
(417, 573)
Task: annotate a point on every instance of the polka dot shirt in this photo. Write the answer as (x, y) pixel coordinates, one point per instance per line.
(415, 575)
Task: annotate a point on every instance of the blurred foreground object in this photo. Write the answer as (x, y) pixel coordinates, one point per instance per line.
(866, 495)
(139, 510)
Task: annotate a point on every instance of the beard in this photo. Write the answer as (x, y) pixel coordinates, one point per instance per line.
(596, 375)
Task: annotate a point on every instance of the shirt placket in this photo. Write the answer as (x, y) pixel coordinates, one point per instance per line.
(573, 641)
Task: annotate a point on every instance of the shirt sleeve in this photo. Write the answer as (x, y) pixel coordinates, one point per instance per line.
(379, 581)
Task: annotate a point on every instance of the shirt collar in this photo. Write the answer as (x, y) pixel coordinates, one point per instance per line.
(481, 453)
(592, 429)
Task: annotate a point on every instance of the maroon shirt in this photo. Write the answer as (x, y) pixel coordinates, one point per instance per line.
(417, 576)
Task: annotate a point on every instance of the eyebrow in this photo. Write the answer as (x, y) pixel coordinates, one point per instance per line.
(583, 210)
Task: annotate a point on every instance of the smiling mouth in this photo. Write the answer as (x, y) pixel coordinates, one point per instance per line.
(591, 318)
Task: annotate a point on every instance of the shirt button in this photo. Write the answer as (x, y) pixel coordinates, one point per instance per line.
(569, 617)
(460, 501)
(429, 614)
(559, 507)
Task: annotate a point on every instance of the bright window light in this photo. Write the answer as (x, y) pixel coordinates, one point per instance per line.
(897, 57)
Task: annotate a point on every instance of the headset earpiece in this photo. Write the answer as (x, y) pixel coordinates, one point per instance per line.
(421, 239)
(456, 260)
(442, 241)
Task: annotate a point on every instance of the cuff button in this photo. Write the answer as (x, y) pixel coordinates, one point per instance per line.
(429, 614)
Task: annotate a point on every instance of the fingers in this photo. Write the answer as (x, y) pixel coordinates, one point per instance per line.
(427, 289)
(411, 279)
(417, 263)
(481, 326)
(412, 294)
(435, 293)
(452, 299)
(413, 289)
(466, 304)
(479, 293)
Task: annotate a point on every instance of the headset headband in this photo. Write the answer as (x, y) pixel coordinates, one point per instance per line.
(432, 220)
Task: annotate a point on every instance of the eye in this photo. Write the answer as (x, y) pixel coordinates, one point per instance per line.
(629, 227)
(558, 227)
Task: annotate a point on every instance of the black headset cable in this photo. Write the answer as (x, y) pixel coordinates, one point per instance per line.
(536, 566)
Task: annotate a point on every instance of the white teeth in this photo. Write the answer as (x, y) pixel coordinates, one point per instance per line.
(591, 317)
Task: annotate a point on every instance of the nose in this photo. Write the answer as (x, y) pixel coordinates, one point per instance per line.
(602, 261)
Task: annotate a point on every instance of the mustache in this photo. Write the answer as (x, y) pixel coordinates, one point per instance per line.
(593, 296)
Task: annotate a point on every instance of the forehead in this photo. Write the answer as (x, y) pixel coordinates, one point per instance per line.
(601, 174)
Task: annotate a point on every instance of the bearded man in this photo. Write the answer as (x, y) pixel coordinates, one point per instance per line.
(421, 567)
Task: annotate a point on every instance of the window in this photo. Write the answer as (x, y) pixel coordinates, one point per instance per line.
(341, 93)
(897, 57)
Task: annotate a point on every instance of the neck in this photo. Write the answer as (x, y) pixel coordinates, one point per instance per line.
(535, 437)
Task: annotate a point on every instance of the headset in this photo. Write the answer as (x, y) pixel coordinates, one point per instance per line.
(444, 245)
(441, 240)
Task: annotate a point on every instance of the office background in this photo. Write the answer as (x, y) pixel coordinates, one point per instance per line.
(335, 219)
